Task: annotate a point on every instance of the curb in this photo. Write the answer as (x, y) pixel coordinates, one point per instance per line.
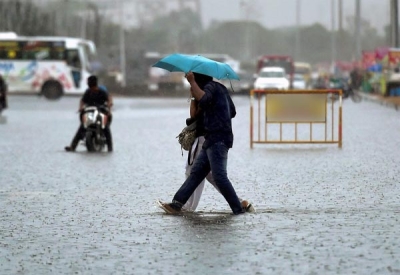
(380, 101)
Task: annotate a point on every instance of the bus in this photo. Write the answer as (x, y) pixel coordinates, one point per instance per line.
(51, 66)
(283, 61)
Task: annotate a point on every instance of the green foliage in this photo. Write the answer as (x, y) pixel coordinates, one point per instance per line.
(238, 37)
(174, 32)
(183, 32)
(25, 18)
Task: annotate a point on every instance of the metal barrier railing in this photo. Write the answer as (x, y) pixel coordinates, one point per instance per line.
(295, 108)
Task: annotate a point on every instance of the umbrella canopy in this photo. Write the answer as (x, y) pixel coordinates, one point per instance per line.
(196, 63)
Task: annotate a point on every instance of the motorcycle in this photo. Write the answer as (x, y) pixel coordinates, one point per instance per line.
(94, 123)
(347, 90)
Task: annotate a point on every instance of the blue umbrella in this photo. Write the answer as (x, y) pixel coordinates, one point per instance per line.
(196, 63)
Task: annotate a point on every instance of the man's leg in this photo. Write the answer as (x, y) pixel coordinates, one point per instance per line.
(218, 157)
(194, 199)
(78, 136)
(107, 133)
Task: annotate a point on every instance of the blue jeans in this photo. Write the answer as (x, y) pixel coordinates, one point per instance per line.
(214, 158)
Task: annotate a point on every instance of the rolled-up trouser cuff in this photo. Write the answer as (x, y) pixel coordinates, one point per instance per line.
(176, 204)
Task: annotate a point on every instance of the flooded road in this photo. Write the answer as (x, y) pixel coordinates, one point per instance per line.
(320, 209)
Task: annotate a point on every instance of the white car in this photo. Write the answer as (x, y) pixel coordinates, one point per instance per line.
(299, 82)
(272, 78)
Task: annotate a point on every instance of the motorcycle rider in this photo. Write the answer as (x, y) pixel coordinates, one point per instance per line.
(94, 96)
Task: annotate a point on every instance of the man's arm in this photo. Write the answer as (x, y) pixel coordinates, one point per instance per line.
(194, 107)
(82, 102)
(81, 105)
(197, 93)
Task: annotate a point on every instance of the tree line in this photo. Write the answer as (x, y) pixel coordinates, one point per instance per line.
(182, 32)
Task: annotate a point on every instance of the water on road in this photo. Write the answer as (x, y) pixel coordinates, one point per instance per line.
(320, 209)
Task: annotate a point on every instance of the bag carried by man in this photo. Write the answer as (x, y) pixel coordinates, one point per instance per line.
(187, 136)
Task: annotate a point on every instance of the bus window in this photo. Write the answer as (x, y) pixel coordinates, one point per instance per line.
(9, 50)
(42, 50)
(35, 54)
(73, 59)
(13, 54)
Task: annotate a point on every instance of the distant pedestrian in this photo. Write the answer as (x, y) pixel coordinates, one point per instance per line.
(3, 93)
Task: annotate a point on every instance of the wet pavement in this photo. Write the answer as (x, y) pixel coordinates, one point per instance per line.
(320, 209)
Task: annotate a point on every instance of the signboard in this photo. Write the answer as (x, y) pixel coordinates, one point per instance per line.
(296, 108)
(394, 56)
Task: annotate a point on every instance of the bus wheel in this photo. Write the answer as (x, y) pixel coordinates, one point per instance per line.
(52, 90)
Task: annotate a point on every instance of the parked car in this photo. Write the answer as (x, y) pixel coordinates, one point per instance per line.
(272, 78)
(299, 82)
(246, 82)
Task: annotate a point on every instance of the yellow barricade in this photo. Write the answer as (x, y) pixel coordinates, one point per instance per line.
(298, 113)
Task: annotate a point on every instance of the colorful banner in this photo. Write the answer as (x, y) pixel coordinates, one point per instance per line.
(368, 59)
(381, 53)
(296, 108)
(345, 65)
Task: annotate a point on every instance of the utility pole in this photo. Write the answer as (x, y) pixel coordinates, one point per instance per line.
(84, 19)
(394, 23)
(333, 34)
(297, 43)
(244, 6)
(358, 29)
(340, 15)
(122, 43)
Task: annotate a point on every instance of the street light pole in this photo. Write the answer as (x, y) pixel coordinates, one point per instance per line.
(394, 24)
(333, 35)
(245, 8)
(340, 4)
(358, 28)
(122, 43)
(297, 43)
(84, 20)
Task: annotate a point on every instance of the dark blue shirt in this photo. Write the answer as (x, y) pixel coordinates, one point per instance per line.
(218, 112)
(97, 98)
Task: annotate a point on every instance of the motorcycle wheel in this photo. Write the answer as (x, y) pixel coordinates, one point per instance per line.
(92, 144)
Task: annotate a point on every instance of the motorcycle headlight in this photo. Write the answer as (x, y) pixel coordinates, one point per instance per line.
(90, 117)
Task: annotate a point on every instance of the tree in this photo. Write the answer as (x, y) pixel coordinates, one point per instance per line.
(24, 18)
(176, 32)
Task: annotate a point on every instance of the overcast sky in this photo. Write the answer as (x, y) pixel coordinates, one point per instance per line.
(277, 13)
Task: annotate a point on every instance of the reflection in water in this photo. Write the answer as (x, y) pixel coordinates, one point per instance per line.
(3, 119)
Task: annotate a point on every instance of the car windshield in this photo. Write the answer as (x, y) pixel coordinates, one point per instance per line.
(270, 74)
(299, 78)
